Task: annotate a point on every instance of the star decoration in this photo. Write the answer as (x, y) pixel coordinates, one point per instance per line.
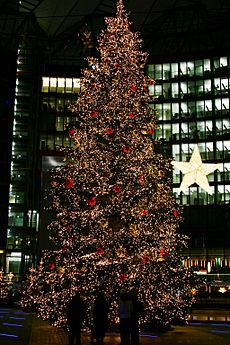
(222, 289)
(195, 171)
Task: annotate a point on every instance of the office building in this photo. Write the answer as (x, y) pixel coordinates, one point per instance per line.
(44, 49)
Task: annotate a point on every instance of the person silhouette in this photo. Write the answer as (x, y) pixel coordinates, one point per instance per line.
(125, 309)
(75, 313)
(137, 312)
(100, 318)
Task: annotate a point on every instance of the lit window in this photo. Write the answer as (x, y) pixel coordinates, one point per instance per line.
(45, 84)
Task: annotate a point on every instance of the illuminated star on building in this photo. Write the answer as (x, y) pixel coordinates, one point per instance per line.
(195, 171)
(222, 289)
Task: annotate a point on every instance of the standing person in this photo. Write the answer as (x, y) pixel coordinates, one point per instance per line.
(137, 312)
(76, 311)
(125, 309)
(100, 318)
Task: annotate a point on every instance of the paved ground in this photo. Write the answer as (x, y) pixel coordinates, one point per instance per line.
(19, 328)
(15, 327)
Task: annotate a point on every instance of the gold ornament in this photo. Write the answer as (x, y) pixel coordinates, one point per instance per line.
(54, 184)
(76, 143)
(161, 173)
(121, 252)
(160, 259)
(104, 223)
(61, 270)
(135, 134)
(134, 230)
(194, 291)
(144, 130)
(84, 165)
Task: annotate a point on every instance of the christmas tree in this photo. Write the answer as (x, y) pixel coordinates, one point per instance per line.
(4, 289)
(115, 219)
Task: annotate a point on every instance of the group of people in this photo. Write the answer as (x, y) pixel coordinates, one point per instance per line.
(129, 311)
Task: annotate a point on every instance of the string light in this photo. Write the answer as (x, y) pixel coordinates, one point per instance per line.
(116, 220)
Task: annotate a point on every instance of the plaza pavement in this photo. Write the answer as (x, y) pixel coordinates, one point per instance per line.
(20, 328)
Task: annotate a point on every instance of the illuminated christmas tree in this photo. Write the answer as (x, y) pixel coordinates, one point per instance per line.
(4, 289)
(115, 220)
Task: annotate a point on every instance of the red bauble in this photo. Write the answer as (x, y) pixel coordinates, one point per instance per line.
(175, 213)
(141, 179)
(69, 183)
(100, 251)
(151, 82)
(116, 189)
(163, 253)
(69, 164)
(51, 266)
(109, 131)
(131, 115)
(146, 259)
(150, 130)
(72, 131)
(94, 114)
(145, 87)
(126, 149)
(122, 277)
(118, 66)
(134, 88)
(92, 201)
(144, 212)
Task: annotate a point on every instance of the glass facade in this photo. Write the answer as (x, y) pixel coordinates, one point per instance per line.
(40, 114)
(191, 99)
(57, 95)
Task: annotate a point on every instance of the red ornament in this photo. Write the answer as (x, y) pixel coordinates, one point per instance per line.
(134, 88)
(109, 131)
(146, 259)
(69, 164)
(145, 87)
(118, 66)
(141, 179)
(92, 201)
(151, 82)
(175, 213)
(51, 266)
(100, 251)
(131, 115)
(150, 130)
(144, 212)
(94, 114)
(116, 189)
(163, 253)
(69, 183)
(72, 131)
(122, 277)
(126, 149)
